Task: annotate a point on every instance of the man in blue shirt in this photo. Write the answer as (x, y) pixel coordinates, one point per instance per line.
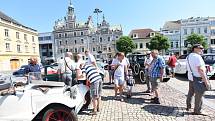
(156, 70)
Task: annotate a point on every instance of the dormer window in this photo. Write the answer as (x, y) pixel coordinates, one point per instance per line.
(152, 34)
(134, 35)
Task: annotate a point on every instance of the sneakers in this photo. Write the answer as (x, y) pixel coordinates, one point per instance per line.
(155, 101)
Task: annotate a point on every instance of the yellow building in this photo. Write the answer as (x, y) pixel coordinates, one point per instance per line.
(17, 43)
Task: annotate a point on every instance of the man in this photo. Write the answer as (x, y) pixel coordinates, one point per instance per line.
(172, 63)
(147, 63)
(90, 58)
(198, 83)
(66, 68)
(33, 69)
(156, 71)
(95, 79)
(120, 68)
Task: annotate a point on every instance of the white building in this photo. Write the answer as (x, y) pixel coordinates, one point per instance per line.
(171, 30)
(141, 38)
(200, 25)
(46, 46)
(71, 35)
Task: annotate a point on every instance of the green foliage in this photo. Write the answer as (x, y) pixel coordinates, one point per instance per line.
(159, 42)
(196, 39)
(125, 44)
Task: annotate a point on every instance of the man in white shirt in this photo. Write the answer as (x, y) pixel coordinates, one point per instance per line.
(147, 63)
(119, 74)
(66, 68)
(198, 83)
(90, 58)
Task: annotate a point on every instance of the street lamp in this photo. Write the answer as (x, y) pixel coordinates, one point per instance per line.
(97, 11)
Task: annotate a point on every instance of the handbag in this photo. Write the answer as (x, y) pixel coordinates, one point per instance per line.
(198, 84)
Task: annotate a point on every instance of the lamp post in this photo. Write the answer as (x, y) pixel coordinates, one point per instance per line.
(97, 11)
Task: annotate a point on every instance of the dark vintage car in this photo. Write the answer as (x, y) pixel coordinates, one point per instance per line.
(137, 66)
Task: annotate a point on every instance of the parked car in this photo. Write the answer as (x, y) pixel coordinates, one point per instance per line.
(20, 71)
(38, 100)
(209, 59)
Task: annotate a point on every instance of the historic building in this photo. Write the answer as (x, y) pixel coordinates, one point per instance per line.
(141, 38)
(18, 43)
(71, 35)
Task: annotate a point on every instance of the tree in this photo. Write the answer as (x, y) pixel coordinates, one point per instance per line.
(159, 42)
(125, 44)
(196, 39)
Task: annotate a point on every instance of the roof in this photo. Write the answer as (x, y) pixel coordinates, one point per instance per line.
(141, 33)
(171, 25)
(9, 19)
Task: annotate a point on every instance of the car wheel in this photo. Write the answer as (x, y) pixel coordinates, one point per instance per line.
(142, 77)
(87, 101)
(136, 69)
(60, 114)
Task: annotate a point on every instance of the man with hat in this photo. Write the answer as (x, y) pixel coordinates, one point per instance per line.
(198, 83)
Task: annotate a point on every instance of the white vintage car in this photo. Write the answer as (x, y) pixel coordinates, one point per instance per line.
(37, 100)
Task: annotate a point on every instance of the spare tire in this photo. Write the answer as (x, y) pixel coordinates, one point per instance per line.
(142, 77)
(136, 69)
(4, 85)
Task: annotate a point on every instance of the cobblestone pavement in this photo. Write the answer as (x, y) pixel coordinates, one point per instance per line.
(139, 108)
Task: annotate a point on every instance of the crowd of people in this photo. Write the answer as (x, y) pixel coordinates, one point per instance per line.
(120, 73)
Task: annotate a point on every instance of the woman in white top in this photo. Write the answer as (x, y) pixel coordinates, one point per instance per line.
(78, 67)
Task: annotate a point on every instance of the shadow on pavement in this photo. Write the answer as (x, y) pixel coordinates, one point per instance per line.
(181, 77)
(164, 110)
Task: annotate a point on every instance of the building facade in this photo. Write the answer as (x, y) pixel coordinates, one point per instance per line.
(18, 43)
(171, 30)
(46, 47)
(141, 38)
(71, 35)
(201, 25)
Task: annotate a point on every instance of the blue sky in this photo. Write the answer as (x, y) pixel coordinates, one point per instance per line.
(131, 14)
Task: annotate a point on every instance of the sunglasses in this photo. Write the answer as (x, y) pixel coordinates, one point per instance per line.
(201, 48)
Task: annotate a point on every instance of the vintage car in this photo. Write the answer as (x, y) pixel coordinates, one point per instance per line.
(23, 99)
(137, 66)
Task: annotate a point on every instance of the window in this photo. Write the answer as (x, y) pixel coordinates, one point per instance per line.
(34, 49)
(136, 45)
(74, 33)
(65, 35)
(26, 48)
(7, 46)
(67, 50)
(76, 50)
(205, 30)
(171, 44)
(40, 38)
(82, 41)
(185, 31)
(75, 41)
(141, 45)
(82, 49)
(185, 43)
(213, 41)
(18, 48)
(176, 44)
(60, 42)
(32, 38)
(108, 39)
(199, 30)
(66, 42)
(6, 33)
(25, 37)
(213, 32)
(59, 35)
(17, 35)
(109, 49)
(47, 38)
(117, 37)
(147, 45)
(82, 33)
(94, 49)
(61, 51)
(192, 30)
(100, 39)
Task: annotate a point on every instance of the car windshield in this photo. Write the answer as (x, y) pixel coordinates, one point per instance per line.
(209, 59)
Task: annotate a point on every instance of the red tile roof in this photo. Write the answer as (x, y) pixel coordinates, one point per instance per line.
(141, 33)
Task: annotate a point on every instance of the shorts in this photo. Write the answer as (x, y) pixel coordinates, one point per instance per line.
(154, 82)
(119, 81)
(172, 69)
(96, 89)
